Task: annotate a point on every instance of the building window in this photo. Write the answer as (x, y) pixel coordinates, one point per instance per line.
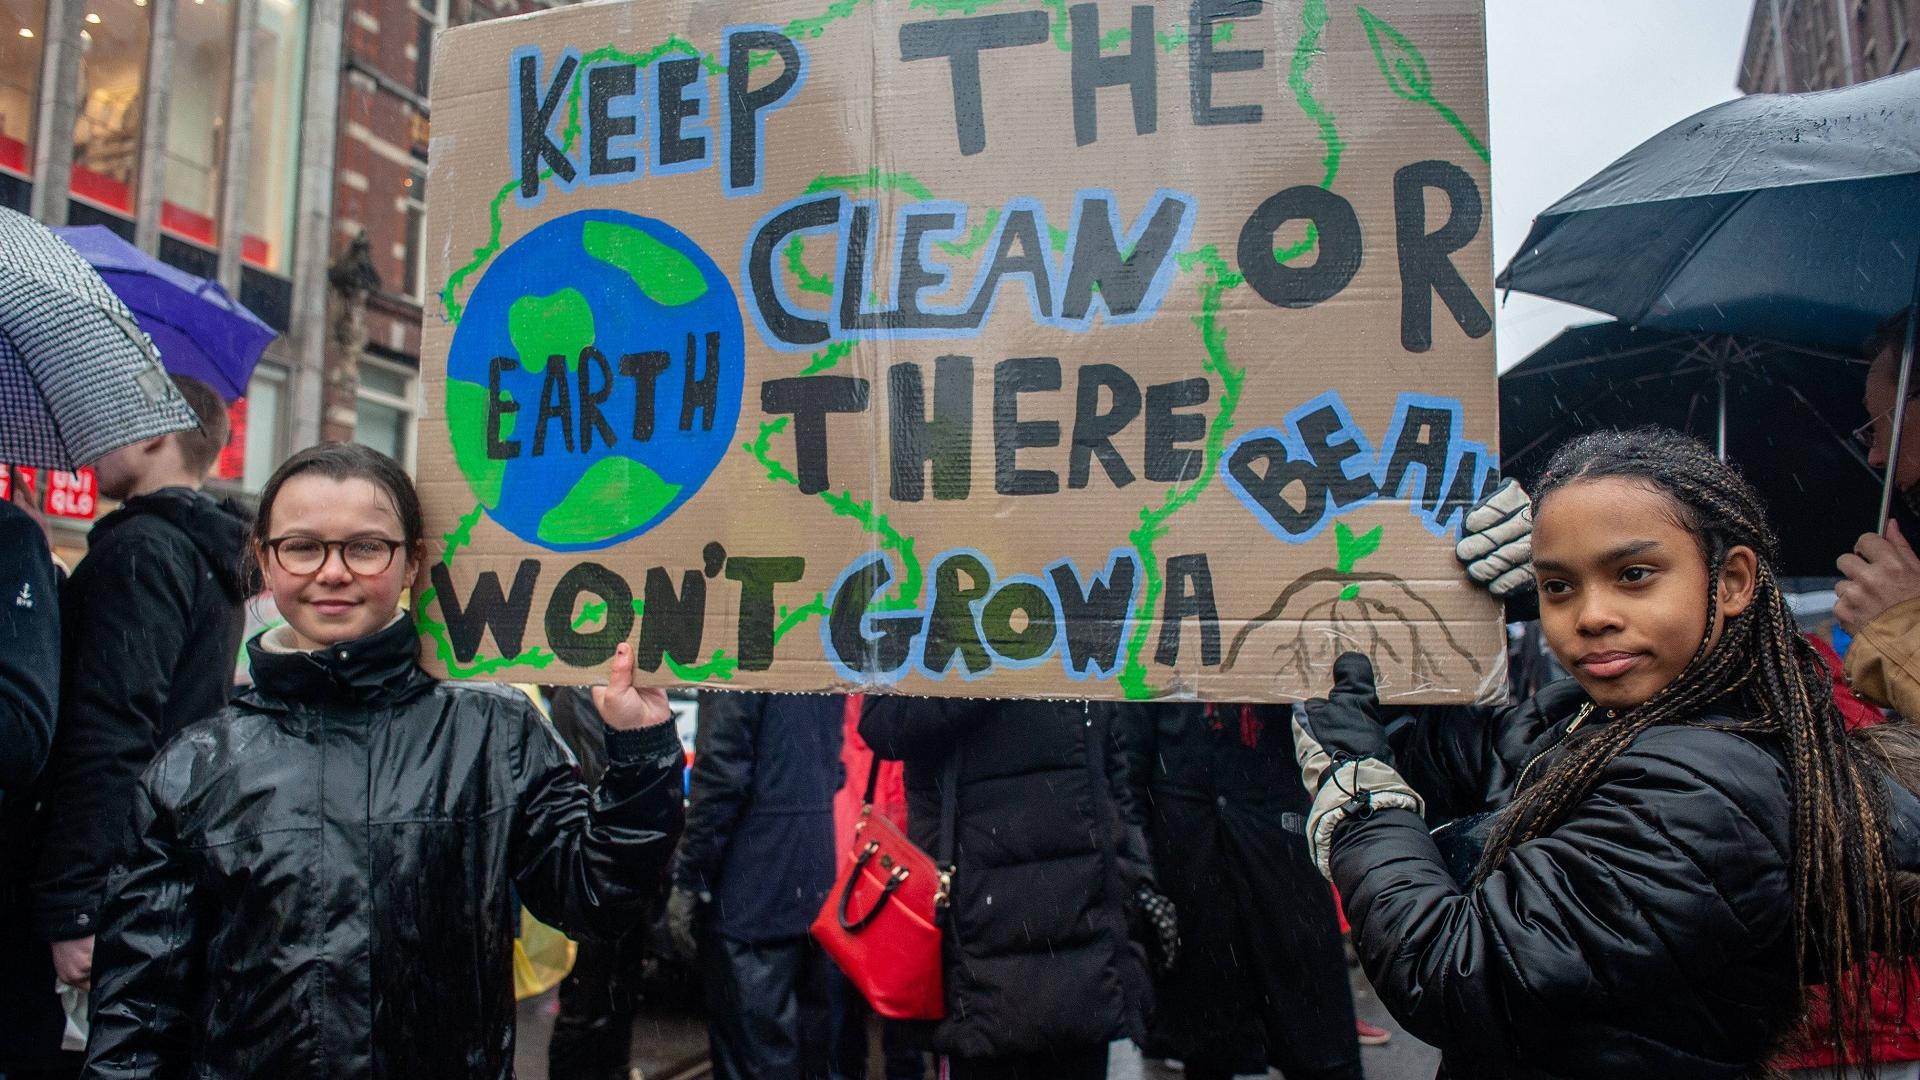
(386, 409)
(22, 34)
(265, 421)
(197, 119)
(106, 134)
(415, 282)
(279, 71)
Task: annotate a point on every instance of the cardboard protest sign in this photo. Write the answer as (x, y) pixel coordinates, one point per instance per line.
(962, 347)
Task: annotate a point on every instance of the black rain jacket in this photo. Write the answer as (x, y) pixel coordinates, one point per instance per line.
(29, 653)
(152, 621)
(1038, 953)
(328, 873)
(1648, 935)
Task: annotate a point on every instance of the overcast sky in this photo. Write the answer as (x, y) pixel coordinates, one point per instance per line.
(1575, 84)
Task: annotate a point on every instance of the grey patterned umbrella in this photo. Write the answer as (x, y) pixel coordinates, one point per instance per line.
(78, 378)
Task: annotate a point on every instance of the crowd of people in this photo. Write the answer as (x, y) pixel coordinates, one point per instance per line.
(1639, 870)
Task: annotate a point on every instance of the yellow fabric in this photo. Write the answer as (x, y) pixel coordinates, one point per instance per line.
(542, 956)
(1883, 663)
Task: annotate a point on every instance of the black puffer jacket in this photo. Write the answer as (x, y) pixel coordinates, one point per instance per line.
(1259, 939)
(152, 620)
(326, 877)
(1038, 956)
(1648, 935)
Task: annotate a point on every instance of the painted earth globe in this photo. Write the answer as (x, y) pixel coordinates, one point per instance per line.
(594, 380)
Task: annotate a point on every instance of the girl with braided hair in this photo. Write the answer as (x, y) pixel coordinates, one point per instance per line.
(1675, 841)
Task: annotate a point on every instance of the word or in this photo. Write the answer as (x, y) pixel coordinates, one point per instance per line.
(1096, 275)
(1320, 465)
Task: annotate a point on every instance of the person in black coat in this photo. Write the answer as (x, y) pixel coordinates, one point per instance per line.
(29, 651)
(1041, 973)
(29, 697)
(1261, 978)
(327, 873)
(152, 620)
(592, 1035)
(754, 867)
(1673, 838)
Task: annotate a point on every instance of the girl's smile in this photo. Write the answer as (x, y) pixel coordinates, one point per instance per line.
(333, 603)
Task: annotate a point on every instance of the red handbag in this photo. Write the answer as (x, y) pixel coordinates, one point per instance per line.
(882, 921)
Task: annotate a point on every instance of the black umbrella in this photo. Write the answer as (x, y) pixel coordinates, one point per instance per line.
(1784, 415)
(1791, 217)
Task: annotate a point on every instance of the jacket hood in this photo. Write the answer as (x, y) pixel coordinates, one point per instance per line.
(380, 669)
(217, 528)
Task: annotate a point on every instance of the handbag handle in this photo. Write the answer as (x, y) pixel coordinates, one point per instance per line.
(846, 895)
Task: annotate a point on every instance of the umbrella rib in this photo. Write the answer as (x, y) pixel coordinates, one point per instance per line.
(1666, 280)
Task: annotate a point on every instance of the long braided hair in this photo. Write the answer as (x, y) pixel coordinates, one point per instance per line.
(1845, 903)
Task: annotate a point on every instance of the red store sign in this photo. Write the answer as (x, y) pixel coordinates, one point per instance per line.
(72, 495)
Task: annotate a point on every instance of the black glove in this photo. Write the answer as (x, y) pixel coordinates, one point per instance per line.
(1346, 723)
(1345, 762)
(1163, 941)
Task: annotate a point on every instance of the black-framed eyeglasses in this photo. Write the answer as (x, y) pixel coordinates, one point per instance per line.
(364, 556)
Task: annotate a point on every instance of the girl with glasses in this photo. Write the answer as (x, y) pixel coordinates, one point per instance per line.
(325, 877)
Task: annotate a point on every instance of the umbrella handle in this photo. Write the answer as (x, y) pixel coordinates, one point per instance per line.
(1900, 405)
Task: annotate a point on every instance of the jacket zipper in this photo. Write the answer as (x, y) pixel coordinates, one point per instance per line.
(1572, 726)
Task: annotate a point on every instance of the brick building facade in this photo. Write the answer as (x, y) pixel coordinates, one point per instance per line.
(1800, 45)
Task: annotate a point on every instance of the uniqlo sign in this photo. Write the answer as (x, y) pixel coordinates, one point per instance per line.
(72, 494)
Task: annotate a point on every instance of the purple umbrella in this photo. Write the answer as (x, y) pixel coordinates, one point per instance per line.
(200, 329)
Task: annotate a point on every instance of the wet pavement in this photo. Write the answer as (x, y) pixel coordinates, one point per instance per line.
(672, 1046)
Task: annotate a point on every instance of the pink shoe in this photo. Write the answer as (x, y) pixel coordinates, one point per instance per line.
(1371, 1035)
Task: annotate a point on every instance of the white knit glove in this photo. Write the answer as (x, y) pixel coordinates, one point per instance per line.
(1497, 545)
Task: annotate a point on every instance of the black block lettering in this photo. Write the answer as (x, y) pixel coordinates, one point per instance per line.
(950, 626)
(1093, 430)
(1167, 461)
(1096, 260)
(537, 107)
(1301, 287)
(595, 647)
(701, 393)
(644, 369)
(1189, 595)
(1204, 61)
(1134, 70)
(946, 440)
(786, 325)
(808, 400)
(487, 610)
(1425, 263)
(671, 78)
(593, 360)
(672, 625)
(498, 406)
(961, 41)
(556, 403)
(757, 577)
(1011, 378)
(744, 104)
